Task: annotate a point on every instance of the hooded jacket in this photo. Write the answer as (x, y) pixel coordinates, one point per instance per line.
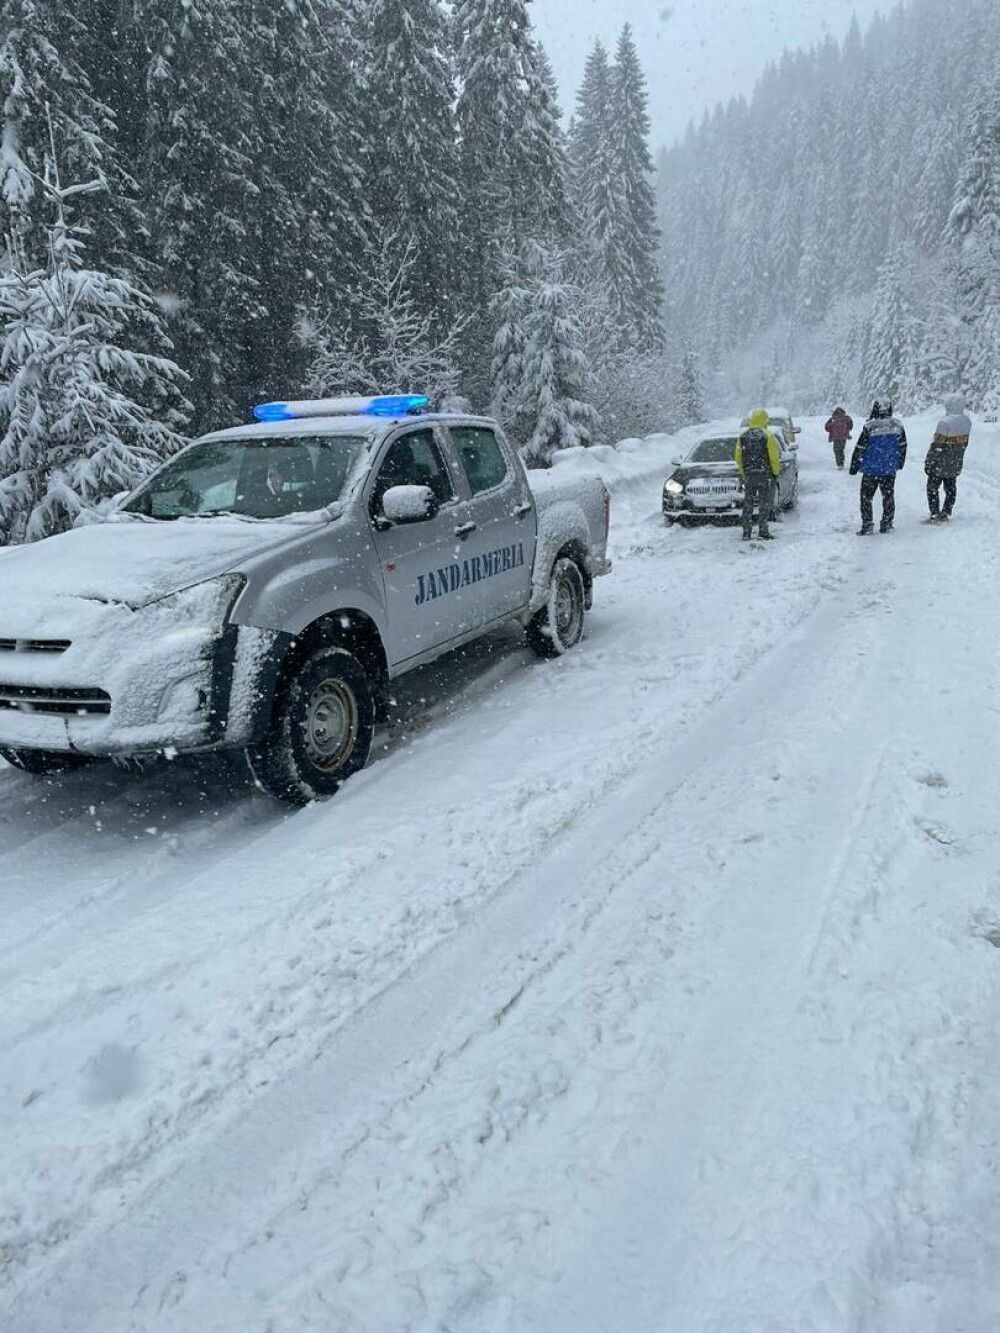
(946, 455)
(757, 450)
(839, 427)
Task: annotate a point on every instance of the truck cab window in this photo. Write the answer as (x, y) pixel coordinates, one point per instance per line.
(413, 460)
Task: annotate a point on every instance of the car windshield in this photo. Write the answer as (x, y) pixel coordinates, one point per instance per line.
(258, 477)
(713, 451)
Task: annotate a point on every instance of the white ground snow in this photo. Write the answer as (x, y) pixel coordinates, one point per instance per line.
(652, 989)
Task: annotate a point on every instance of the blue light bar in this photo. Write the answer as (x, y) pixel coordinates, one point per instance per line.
(273, 412)
(394, 405)
(385, 405)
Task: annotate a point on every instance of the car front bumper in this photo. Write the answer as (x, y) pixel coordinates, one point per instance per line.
(703, 506)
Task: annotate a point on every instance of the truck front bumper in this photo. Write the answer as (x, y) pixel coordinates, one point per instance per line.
(127, 682)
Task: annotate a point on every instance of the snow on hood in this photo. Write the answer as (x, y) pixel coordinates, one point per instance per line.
(131, 562)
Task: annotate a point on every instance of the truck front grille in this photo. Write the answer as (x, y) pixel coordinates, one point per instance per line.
(55, 700)
(34, 645)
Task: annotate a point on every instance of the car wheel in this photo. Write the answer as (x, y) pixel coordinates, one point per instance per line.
(686, 521)
(558, 625)
(43, 762)
(321, 729)
(669, 520)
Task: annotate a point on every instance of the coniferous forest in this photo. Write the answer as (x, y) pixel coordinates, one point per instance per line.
(838, 237)
(207, 203)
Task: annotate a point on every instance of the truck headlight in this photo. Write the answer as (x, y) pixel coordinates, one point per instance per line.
(199, 611)
(674, 488)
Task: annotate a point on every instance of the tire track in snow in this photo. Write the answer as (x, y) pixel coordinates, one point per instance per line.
(458, 964)
(315, 999)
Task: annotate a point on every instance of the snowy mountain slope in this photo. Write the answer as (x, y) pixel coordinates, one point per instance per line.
(656, 979)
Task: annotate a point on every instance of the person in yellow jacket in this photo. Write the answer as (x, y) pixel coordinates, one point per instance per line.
(758, 458)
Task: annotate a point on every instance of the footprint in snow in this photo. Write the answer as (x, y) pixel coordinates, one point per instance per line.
(935, 833)
(987, 928)
(936, 780)
(111, 1075)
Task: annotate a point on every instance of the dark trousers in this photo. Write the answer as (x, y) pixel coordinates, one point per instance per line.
(758, 489)
(838, 452)
(934, 485)
(869, 485)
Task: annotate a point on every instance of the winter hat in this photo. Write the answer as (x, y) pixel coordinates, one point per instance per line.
(758, 419)
(954, 404)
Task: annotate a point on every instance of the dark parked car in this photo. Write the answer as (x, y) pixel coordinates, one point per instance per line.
(707, 485)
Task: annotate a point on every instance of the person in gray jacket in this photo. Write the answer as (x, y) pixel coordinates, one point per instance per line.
(945, 458)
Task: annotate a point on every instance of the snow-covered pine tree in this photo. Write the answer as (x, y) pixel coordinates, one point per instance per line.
(310, 227)
(540, 372)
(547, 149)
(399, 348)
(511, 164)
(690, 391)
(626, 222)
(76, 401)
(889, 342)
(200, 195)
(413, 153)
(590, 146)
(42, 83)
(974, 228)
(784, 226)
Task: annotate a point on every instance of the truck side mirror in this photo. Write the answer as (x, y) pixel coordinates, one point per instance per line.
(409, 504)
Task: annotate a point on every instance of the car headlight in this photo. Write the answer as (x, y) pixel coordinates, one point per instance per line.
(674, 488)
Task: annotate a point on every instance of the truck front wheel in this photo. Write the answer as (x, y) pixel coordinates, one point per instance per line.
(43, 762)
(558, 625)
(321, 729)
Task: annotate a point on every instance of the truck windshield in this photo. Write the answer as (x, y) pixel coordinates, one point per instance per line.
(259, 477)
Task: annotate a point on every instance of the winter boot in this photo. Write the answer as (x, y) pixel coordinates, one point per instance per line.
(933, 518)
(885, 527)
(745, 537)
(767, 536)
(866, 529)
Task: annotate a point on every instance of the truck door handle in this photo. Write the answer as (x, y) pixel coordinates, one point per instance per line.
(464, 529)
(521, 510)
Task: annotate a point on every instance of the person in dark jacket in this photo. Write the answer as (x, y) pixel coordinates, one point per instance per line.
(878, 455)
(758, 458)
(945, 458)
(839, 429)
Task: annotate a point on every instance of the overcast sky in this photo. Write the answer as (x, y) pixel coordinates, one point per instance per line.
(695, 52)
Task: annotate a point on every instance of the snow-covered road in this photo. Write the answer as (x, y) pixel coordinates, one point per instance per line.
(655, 988)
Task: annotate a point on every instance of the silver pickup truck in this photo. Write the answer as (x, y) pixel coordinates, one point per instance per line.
(264, 586)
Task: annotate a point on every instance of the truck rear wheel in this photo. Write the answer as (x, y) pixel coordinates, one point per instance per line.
(43, 762)
(558, 625)
(321, 729)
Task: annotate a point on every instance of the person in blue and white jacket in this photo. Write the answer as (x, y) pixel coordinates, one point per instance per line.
(878, 455)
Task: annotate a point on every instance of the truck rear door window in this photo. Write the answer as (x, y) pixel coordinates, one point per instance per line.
(481, 457)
